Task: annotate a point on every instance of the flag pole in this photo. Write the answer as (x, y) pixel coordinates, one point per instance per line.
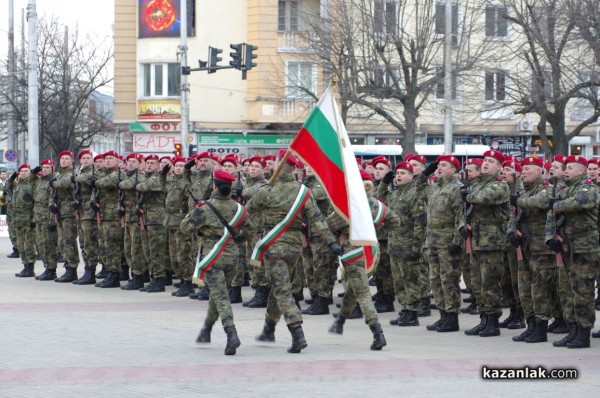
(278, 169)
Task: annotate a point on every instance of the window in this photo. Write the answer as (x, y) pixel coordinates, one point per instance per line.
(495, 24)
(161, 80)
(495, 85)
(440, 21)
(385, 77)
(440, 89)
(288, 11)
(300, 80)
(385, 16)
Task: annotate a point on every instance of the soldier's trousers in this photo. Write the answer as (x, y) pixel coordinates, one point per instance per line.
(11, 229)
(279, 262)
(543, 284)
(383, 272)
(134, 254)
(88, 236)
(358, 291)
(308, 269)
(465, 266)
(46, 242)
(26, 241)
(67, 232)
(487, 266)
(424, 282)
(324, 270)
(180, 248)
(406, 282)
(155, 238)
(241, 266)
(257, 274)
(112, 240)
(444, 274)
(509, 282)
(580, 271)
(217, 278)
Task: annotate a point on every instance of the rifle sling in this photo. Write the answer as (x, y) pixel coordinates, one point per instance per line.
(221, 218)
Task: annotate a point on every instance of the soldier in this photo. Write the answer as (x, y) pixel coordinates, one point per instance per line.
(593, 175)
(99, 171)
(273, 207)
(7, 209)
(489, 197)
(444, 213)
(61, 205)
(270, 163)
(576, 240)
(355, 274)
(22, 197)
(218, 266)
(406, 241)
(46, 233)
(154, 234)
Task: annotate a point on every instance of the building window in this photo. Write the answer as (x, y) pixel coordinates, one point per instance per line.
(386, 76)
(385, 16)
(495, 24)
(440, 88)
(301, 80)
(495, 85)
(288, 15)
(440, 21)
(161, 80)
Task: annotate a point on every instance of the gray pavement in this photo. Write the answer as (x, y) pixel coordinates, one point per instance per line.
(62, 340)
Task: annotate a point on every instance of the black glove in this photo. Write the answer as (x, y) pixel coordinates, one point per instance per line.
(94, 206)
(72, 179)
(514, 240)
(388, 177)
(555, 246)
(13, 176)
(190, 164)
(335, 248)
(513, 200)
(121, 213)
(412, 256)
(75, 205)
(53, 208)
(27, 197)
(429, 170)
(238, 238)
(463, 194)
(453, 248)
(463, 232)
(165, 170)
(51, 182)
(551, 203)
(32, 225)
(93, 183)
(52, 227)
(36, 170)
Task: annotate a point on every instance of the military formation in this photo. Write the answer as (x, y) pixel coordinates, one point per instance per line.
(521, 234)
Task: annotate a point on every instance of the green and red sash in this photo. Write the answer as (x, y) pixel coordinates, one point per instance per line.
(368, 253)
(205, 263)
(271, 237)
(380, 216)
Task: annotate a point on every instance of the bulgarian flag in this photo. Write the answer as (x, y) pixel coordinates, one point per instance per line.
(323, 144)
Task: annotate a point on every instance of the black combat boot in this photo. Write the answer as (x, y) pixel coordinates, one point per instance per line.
(560, 327)
(204, 336)
(568, 338)
(596, 335)
(338, 325)
(135, 283)
(168, 279)
(48, 275)
(103, 272)
(378, 338)
(298, 340)
(203, 293)
(157, 285)
(401, 316)
(312, 298)
(509, 318)
(540, 334)
(518, 321)
(111, 280)
(26, 272)
(261, 297)
(439, 322)
(451, 324)
(410, 319)
(309, 308)
(268, 332)
(88, 277)
(319, 307)
(235, 295)
(425, 307)
(355, 314)
(15, 253)
(582, 340)
(124, 273)
(233, 341)
(478, 328)
(470, 308)
(385, 303)
(469, 299)
(531, 325)
(70, 275)
(185, 289)
(491, 327)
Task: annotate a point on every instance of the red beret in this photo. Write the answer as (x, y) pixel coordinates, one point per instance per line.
(132, 155)
(166, 157)
(223, 176)
(141, 158)
(84, 152)
(450, 159)
(231, 158)
(414, 156)
(365, 175)
(531, 160)
(595, 161)
(258, 160)
(547, 165)
(576, 159)
(510, 158)
(405, 166)
(65, 153)
(560, 158)
(214, 156)
(111, 153)
(246, 160)
(291, 159)
(513, 165)
(380, 159)
(24, 166)
(203, 155)
(49, 162)
(152, 157)
(177, 159)
(270, 157)
(475, 161)
(359, 162)
(492, 153)
(99, 156)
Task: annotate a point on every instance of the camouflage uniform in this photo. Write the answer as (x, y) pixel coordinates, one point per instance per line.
(87, 219)
(384, 280)
(67, 223)
(509, 282)
(112, 233)
(24, 226)
(257, 274)
(154, 234)
(46, 233)
(134, 253)
(176, 207)
(242, 263)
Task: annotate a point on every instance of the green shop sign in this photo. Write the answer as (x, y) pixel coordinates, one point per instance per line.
(241, 139)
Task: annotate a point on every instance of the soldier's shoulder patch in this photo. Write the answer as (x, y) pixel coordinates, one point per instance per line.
(499, 179)
(546, 183)
(588, 181)
(585, 189)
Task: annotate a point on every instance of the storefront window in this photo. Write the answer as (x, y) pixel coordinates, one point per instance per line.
(357, 140)
(576, 149)
(387, 141)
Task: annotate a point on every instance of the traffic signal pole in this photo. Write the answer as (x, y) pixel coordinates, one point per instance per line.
(185, 86)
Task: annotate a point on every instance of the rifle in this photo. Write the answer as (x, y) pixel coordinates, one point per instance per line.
(209, 188)
(56, 203)
(121, 211)
(517, 216)
(239, 189)
(94, 205)
(139, 198)
(559, 258)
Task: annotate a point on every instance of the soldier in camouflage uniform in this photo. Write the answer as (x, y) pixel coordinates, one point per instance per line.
(593, 167)
(154, 233)
(61, 205)
(537, 272)
(217, 270)
(489, 197)
(406, 241)
(176, 207)
(444, 253)
(355, 274)
(7, 209)
(267, 208)
(22, 197)
(576, 239)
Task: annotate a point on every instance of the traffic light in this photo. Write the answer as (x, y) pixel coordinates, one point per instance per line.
(213, 58)
(236, 56)
(185, 70)
(248, 64)
(177, 150)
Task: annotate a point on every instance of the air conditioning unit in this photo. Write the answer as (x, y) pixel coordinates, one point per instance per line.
(526, 125)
